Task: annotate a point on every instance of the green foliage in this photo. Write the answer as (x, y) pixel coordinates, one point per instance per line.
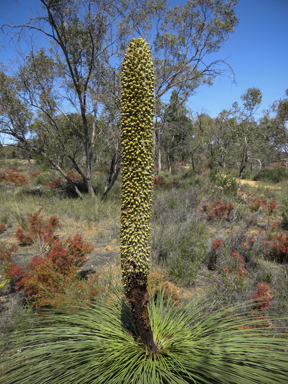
(275, 175)
(3, 281)
(226, 182)
(284, 211)
(99, 345)
(43, 178)
(43, 165)
(179, 238)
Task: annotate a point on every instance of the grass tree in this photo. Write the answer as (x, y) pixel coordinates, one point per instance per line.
(137, 104)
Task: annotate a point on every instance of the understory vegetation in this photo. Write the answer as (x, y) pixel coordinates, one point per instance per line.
(210, 250)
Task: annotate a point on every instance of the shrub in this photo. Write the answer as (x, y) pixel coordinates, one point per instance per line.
(37, 228)
(279, 248)
(54, 184)
(35, 174)
(48, 276)
(232, 279)
(47, 279)
(10, 175)
(227, 183)
(2, 227)
(213, 254)
(157, 280)
(160, 182)
(6, 253)
(74, 175)
(4, 281)
(217, 244)
(284, 212)
(43, 178)
(275, 175)
(215, 210)
(262, 297)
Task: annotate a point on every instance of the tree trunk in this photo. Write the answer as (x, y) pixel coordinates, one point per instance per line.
(113, 174)
(159, 153)
(159, 160)
(193, 164)
(138, 298)
(243, 166)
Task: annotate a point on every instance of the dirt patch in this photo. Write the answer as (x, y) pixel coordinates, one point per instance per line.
(257, 184)
(22, 162)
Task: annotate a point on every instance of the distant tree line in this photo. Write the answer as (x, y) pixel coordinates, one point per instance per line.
(62, 101)
(238, 138)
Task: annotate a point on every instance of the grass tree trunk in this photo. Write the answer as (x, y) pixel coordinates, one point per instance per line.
(137, 105)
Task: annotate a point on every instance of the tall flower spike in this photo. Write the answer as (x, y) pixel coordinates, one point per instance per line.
(137, 104)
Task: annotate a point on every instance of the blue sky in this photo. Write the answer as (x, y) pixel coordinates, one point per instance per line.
(257, 52)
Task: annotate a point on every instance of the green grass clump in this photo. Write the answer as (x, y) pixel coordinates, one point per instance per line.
(99, 344)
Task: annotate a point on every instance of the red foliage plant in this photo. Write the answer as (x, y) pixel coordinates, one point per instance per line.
(9, 175)
(54, 184)
(237, 272)
(2, 227)
(262, 297)
(217, 244)
(159, 279)
(159, 181)
(269, 206)
(280, 247)
(6, 253)
(35, 174)
(47, 279)
(217, 209)
(73, 175)
(37, 228)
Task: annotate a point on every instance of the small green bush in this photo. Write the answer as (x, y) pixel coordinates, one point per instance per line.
(43, 177)
(284, 211)
(228, 183)
(275, 175)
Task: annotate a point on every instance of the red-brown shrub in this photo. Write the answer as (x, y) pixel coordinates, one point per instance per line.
(217, 209)
(78, 247)
(277, 248)
(160, 182)
(23, 238)
(54, 184)
(262, 297)
(37, 228)
(6, 253)
(35, 174)
(217, 244)
(2, 227)
(158, 279)
(74, 175)
(47, 279)
(9, 175)
(12, 270)
(268, 206)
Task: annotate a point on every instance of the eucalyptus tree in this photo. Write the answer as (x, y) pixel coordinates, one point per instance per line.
(246, 131)
(280, 127)
(77, 71)
(175, 125)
